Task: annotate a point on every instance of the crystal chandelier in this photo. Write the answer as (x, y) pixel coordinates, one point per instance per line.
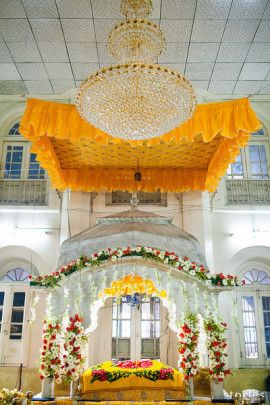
(136, 99)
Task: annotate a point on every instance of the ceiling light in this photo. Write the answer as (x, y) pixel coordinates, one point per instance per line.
(136, 98)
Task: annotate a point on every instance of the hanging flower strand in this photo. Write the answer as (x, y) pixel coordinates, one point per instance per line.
(50, 363)
(188, 346)
(216, 345)
(148, 253)
(75, 340)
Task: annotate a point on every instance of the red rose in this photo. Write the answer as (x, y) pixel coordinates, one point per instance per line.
(41, 377)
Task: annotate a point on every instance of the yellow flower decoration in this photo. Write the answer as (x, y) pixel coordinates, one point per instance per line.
(130, 285)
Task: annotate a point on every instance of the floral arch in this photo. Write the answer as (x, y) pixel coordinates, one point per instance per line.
(77, 290)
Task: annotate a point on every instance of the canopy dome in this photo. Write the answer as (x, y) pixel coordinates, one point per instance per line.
(129, 228)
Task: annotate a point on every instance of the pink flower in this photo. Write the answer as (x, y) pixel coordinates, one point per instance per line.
(145, 363)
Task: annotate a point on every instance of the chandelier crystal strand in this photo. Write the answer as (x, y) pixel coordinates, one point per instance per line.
(136, 99)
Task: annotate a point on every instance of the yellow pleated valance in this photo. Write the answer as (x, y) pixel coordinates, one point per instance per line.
(193, 156)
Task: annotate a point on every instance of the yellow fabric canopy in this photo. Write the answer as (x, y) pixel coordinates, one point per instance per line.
(193, 156)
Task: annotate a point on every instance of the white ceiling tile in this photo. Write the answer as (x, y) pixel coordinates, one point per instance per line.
(259, 52)
(53, 51)
(174, 53)
(176, 30)
(232, 52)
(24, 51)
(9, 87)
(226, 71)
(268, 76)
(39, 86)
(266, 14)
(103, 26)
(47, 30)
(254, 71)
(243, 9)
(59, 71)
(180, 9)
(78, 83)
(200, 84)
(4, 53)
(212, 9)
(179, 67)
(11, 9)
(16, 30)
(104, 55)
(8, 71)
(263, 32)
(156, 9)
(40, 8)
(199, 71)
(78, 30)
(207, 30)
(82, 52)
(266, 88)
(245, 87)
(74, 9)
(82, 70)
(32, 71)
(60, 86)
(202, 52)
(106, 9)
(240, 31)
(221, 86)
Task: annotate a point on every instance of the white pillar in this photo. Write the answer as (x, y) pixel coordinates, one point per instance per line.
(64, 218)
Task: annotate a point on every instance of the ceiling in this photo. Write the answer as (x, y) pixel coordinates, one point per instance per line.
(50, 46)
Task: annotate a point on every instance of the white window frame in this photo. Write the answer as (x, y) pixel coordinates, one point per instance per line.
(135, 332)
(25, 159)
(8, 345)
(257, 291)
(254, 140)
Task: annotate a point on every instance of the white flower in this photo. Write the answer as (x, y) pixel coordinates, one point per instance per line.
(138, 248)
(208, 283)
(166, 260)
(208, 275)
(114, 258)
(224, 282)
(176, 264)
(172, 257)
(161, 255)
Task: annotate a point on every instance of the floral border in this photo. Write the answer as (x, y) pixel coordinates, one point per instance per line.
(168, 258)
(100, 374)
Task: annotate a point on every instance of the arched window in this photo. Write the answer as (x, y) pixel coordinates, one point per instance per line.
(14, 130)
(255, 308)
(256, 276)
(17, 274)
(14, 309)
(253, 160)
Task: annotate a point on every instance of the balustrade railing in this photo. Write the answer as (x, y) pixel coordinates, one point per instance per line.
(247, 192)
(23, 192)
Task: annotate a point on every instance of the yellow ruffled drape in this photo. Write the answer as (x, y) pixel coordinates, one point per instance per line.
(46, 122)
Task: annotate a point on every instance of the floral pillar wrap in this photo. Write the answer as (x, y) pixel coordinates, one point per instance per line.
(216, 345)
(73, 358)
(188, 346)
(50, 363)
